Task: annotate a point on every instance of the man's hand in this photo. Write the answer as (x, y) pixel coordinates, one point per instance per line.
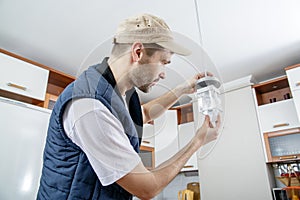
(189, 86)
(207, 132)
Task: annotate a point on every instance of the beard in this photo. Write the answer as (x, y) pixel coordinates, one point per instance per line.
(142, 79)
(145, 88)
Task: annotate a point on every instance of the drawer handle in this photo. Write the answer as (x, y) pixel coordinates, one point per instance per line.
(287, 157)
(16, 86)
(188, 166)
(280, 125)
(145, 141)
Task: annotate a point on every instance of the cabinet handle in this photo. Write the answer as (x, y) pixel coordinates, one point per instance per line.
(145, 141)
(280, 125)
(298, 84)
(188, 166)
(287, 157)
(16, 86)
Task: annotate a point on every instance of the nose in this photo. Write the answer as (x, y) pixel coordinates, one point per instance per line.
(162, 75)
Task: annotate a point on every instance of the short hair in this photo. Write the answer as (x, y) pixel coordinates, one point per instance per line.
(120, 49)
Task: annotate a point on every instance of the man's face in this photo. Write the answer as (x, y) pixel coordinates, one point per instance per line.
(150, 70)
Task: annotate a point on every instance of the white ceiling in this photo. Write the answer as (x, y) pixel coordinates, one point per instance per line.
(240, 37)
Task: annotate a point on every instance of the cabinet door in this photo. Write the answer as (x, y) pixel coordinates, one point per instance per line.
(278, 116)
(294, 78)
(148, 135)
(23, 78)
(23, 131)
(166, 136)
(296, 97)
(185, 133)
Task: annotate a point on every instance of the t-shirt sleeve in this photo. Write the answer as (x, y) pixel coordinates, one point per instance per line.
(101, 136)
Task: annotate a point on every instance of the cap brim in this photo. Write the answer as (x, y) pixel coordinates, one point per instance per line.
(175, 48)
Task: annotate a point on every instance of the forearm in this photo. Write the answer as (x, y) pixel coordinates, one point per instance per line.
(147, 184)
(181, 157)
(168, 170)
(157, 107)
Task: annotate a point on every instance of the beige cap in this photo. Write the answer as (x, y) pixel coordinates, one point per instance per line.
(146, 28)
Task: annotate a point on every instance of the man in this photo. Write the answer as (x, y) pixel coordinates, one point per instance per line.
(95, 128)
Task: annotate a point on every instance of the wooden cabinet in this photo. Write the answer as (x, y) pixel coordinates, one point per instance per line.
(31, 82)
(22, 78)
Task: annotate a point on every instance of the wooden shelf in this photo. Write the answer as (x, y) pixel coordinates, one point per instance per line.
(272, 91)
(184, 113)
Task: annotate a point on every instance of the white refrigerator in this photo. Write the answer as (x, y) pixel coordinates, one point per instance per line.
(23, 129)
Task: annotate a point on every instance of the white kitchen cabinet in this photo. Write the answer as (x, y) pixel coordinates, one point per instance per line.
(278, 116)
(23, 78)
(166, 136)
(148, 135)
(296, 97)
(237, 161)
(294, 78)
(23, 130)
(293, 75)
(186, 132)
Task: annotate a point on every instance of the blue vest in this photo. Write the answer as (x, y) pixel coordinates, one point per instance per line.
(67, 173)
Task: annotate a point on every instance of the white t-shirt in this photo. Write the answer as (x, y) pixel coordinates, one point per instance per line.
(91, 126)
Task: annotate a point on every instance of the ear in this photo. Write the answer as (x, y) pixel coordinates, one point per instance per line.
(136, 51)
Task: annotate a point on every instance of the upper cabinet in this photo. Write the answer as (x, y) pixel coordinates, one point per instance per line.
(22, 78)
(277, 116)
(276, 109)
(293, 74)
(278, 102)
(272, 91)
(31, 82)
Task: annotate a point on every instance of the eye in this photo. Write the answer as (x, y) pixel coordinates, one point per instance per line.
(165, 62)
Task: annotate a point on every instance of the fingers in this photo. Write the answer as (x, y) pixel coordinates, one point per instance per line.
(201, 75)
(207, 121)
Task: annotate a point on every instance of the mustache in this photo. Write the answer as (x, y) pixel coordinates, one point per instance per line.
(156, 80)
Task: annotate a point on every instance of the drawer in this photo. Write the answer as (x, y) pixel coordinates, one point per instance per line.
(294, 78)
(278, 116)
(23, 78)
